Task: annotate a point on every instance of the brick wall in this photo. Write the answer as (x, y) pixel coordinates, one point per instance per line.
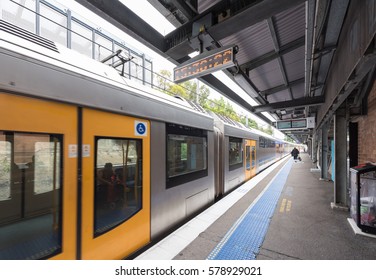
(367, 130)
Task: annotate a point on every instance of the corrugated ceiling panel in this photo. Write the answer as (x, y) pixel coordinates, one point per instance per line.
(253, 42)
(279, 96)
(203, 5)
(294, 64)
(290, 24)
(298, 91)
(267, 75)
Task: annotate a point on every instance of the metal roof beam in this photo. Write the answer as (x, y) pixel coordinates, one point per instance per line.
(184, 8)
(276, 47)
(300, 102)
(193, 4)
(274, 55)
(169, 10)
(349, 67)
(252, 13)
(282, 87)
(160, 7)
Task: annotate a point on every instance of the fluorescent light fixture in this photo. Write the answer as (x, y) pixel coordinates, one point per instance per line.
(234, 87)
(267, 115)
(244, 84)
(283, 112)
(149, 14)
(195, 53)
(239, 91)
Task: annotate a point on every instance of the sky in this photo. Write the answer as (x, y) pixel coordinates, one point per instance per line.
(148, 13)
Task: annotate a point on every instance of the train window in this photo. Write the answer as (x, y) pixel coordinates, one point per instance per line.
(235, 153)
(253, 156)
(44, 166)
(248, 157)
(262, 141)
(30, 195)
(186, 154)
(269, 143)
(5, 168)
(118, 182)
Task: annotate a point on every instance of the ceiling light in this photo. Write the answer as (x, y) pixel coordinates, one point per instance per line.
(244, 84)
(193, 54)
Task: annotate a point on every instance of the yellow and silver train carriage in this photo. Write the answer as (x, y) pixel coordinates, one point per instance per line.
(93, 166)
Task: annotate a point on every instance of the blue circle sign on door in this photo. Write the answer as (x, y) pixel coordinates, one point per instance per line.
(140, 128)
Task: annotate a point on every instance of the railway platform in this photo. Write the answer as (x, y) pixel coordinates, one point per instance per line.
(284, 213)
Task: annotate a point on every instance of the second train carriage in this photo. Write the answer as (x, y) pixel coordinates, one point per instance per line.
(96, 167)
(243, 152)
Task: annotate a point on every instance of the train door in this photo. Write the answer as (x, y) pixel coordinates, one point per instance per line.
(116, 185)
(250, 159)
(37, 179)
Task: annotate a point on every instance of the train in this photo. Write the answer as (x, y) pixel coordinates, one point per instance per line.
(96, 166)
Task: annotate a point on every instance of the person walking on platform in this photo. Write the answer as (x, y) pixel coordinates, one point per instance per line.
(295, 153)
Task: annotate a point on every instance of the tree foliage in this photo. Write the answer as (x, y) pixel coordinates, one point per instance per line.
(188, 90)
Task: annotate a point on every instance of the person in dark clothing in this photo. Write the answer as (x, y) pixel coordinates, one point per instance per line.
(295, 153)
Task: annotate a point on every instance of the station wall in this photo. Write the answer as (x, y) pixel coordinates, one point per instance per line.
(367, 130)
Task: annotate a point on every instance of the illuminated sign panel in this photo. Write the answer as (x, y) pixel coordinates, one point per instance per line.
(205, 63)
(284, 125)
(292, 124)
(299, 123)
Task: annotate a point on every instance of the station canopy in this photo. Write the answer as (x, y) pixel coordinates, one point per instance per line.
(284, 47)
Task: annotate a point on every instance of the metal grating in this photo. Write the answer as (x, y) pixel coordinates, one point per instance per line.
(267, 75)
(280, 96)
(253, 42)
(294, 64)
(290, 24)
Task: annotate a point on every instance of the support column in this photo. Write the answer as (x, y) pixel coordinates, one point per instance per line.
(314, 149)
(340, 144)
(309, 146)
(324, 152)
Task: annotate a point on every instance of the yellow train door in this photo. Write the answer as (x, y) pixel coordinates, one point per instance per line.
(38, 179)
(115, 185)
(250, 159)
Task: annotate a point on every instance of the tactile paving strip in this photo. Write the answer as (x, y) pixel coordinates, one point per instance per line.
(244, 239)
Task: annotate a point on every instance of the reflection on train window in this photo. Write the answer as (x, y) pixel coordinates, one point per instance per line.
(262, 142)
(253, 156)
(248, 157)
(44, 163)
(235, 153)
(118, 182)
(30, 195)
(186, 154)
(5, 168)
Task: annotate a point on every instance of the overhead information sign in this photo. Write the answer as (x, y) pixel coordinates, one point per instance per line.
(205, 63)
(292, 124)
